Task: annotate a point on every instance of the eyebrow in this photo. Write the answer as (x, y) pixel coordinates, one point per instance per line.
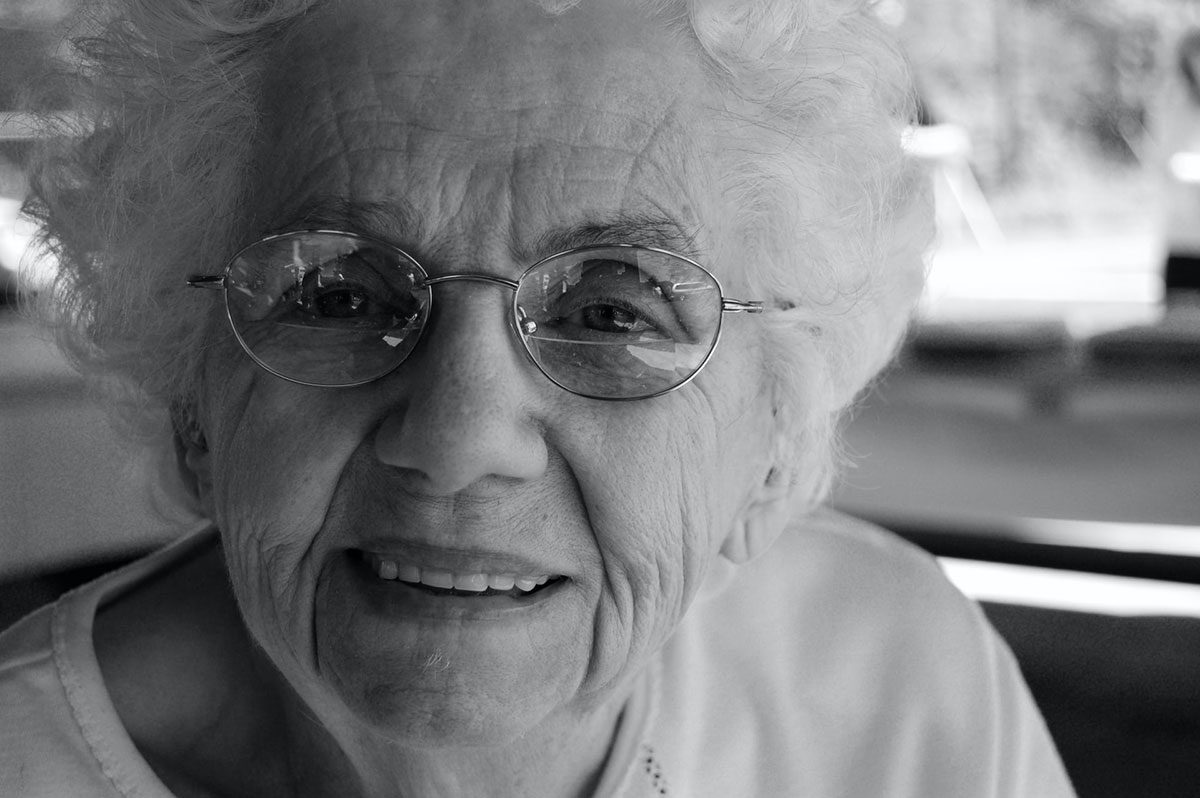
(395, 220)
(643, 229)
(389, 220)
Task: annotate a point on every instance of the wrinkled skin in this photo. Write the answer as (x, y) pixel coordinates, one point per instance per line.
(487, 135)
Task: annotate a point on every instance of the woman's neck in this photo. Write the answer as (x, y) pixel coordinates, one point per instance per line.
(564, 756)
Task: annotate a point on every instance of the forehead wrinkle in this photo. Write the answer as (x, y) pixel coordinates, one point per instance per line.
(314, 195)
(477, 112)
(645, 214)
(644, 165)
(395, 220)
(331, 102)
(312, 179)
(508, 125)
(318, 170)
(670, 153)
(670, 135)
(299, 172)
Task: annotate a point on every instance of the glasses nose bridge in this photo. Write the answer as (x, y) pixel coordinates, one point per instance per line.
(478, 277)
(482, 277)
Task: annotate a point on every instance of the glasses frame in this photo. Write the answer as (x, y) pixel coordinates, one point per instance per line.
(221, 282)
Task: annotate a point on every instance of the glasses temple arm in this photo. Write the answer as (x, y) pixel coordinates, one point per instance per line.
(212, 282)
(740, 306)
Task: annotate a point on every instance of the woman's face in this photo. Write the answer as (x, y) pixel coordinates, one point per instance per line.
(480, 139)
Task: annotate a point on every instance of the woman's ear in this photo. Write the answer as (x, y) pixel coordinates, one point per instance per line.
(193, 458)
(761, 521)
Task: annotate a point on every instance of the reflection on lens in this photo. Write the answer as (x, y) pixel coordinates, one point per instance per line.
(328, 356)
(615, 371)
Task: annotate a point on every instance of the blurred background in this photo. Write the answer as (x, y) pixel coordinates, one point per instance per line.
(1053, 371)
(1040, 431)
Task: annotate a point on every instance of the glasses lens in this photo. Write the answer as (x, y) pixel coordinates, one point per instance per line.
(619, 322)
(326, 308)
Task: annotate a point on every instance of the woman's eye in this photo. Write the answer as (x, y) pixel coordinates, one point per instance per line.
(347, 290)
(610, 297)
(341, 302)
(332, 294)
(609, 318)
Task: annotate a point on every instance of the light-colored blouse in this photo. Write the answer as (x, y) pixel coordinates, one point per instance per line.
(841, 663)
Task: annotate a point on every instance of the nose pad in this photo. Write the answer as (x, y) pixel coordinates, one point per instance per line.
(465, 398)
(523, 325)
(519, 326)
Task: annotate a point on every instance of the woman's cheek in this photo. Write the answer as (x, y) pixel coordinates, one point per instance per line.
(272, 485)
(274, 469)
(647, 556)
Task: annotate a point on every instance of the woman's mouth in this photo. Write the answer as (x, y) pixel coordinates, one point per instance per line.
(450, 583)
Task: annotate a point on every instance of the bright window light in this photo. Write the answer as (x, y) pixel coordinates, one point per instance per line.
(1071, 590)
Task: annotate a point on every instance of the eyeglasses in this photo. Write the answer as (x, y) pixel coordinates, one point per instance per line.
(334, 309)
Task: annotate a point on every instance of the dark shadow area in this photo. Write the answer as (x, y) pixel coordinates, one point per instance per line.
(1182, 274)
(19, 597)
(1119, 694)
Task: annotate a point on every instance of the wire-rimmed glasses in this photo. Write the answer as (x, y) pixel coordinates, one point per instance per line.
(335, 309)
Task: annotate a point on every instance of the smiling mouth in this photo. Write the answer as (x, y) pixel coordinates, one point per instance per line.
(449, 583)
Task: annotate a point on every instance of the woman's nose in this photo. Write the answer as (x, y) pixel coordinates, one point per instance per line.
(464, 407)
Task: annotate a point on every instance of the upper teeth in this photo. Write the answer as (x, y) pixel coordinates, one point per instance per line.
(473, 582)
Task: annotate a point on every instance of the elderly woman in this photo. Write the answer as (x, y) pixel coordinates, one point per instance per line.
(434, 291)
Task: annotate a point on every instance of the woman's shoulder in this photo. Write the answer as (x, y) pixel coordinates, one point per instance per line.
(834, 586)
(843, 661)
(845, 539)
(850, 606)
(829, 564)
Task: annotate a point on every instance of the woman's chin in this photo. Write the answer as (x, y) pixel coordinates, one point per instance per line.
(433, 668)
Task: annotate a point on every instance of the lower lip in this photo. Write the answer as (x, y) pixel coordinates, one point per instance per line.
(391, 597)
